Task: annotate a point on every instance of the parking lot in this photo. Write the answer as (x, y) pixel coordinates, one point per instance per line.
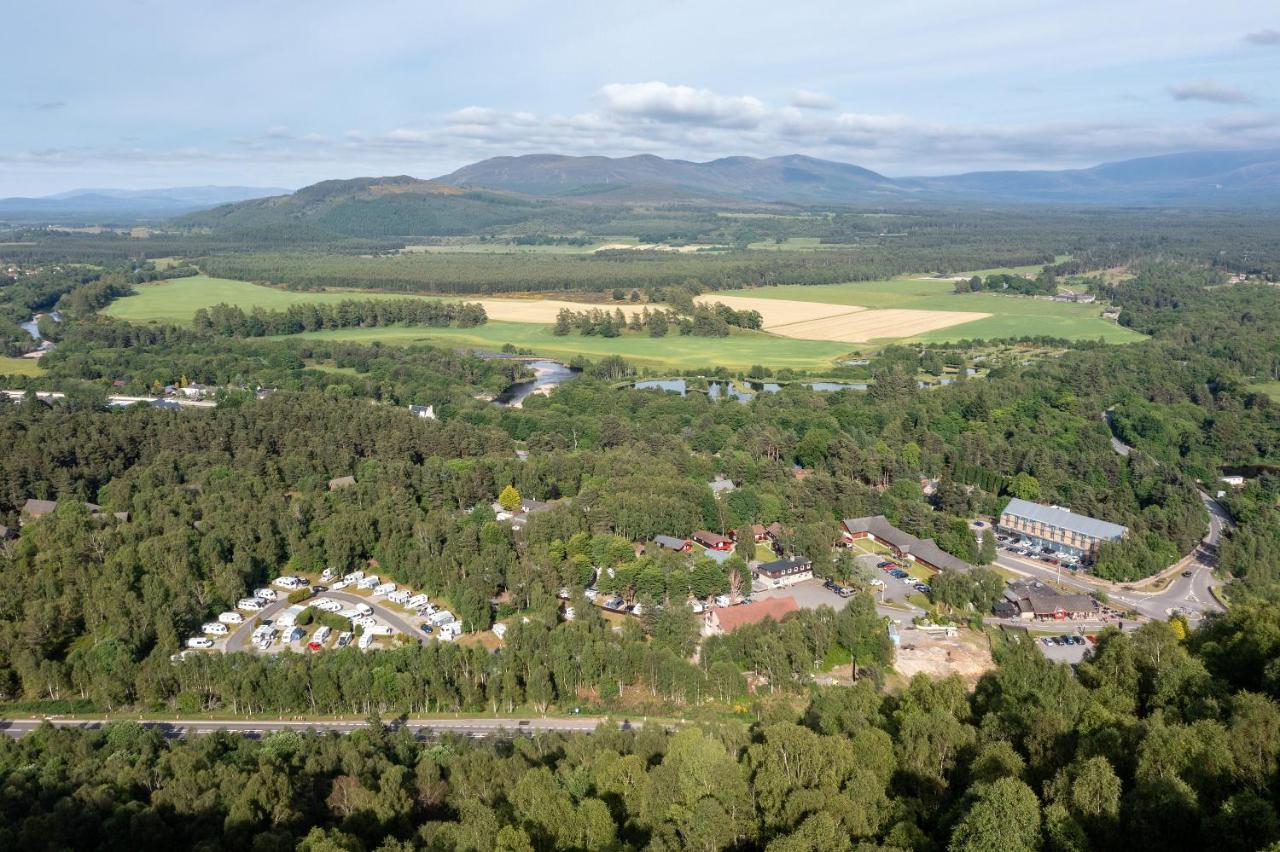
(1071, 654)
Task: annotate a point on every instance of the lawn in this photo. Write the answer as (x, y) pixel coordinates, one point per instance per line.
(20, 367)
(737, 352)
(1012, 316)
(1271, 389)
(177, 300)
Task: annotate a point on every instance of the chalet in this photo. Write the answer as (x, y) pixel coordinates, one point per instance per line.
(785, 572)
(667, 542)
(728, 619)
(903, 544)
(759, 534)
(340, 482)
(713, 541)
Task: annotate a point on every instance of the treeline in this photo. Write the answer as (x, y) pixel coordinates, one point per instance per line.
(700, 321)
(1154, 741)
(233, 321)
(1044, 284)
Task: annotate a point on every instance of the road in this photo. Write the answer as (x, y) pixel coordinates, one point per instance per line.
(422, 728)
(240, 639)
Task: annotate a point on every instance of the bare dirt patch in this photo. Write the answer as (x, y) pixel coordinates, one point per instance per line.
(966, 654)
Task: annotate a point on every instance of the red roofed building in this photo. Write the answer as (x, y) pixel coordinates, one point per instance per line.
(729, 619)
(713, 541)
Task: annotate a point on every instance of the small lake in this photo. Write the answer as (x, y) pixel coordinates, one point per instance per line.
(548, 376)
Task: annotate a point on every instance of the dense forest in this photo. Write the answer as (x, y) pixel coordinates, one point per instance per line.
(1161, 737)
(1155, 742)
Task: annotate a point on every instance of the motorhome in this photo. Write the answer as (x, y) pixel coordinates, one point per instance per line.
(265, 594)
(249, 604)
(199, 642)
(214, 628)
(231, 617)
(416, 601)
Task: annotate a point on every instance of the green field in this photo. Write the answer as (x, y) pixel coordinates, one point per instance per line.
(1012, 316)
(20, 367)
(737, 352)
(176, 301)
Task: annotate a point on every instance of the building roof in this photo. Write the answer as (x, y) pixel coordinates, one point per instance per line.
(670, 542)
(708, 537)
(927, 550)
(1042, 604)
(731, 618)
(720, 485)
(879, 526)
(923, 549)
(341, 482)
(782, 566)
(1056, 516)
(36, 508)
(5, 532)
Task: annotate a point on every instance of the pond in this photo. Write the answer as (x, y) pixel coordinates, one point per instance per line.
(32, 326)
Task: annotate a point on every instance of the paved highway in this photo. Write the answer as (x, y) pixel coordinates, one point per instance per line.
(422, 728)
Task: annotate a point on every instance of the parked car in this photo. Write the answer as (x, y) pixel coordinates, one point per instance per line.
(199, 642)
(297, 634)
(722, 600)
(1047, 640)
(846, 592)
(428, 629)
(314, 645)
(1077, 640)
(1188, 573)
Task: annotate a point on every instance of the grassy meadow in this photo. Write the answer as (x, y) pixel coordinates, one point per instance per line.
(20, 367)
(739, 351)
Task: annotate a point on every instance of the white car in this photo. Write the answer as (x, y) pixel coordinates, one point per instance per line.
(214, 628)
(199, 642)
(231, 617)
(249, 604)
(365, 641)
(265, 594)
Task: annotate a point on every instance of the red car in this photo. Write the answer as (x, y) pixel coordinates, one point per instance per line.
(315, 646)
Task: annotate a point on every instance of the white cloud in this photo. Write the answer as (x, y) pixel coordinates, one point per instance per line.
(1210, 91)
(660, 101)
(805, 99)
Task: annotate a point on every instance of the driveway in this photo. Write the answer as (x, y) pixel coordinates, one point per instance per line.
(811, 594)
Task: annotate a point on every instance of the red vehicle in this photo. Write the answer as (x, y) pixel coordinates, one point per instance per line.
(315, 646)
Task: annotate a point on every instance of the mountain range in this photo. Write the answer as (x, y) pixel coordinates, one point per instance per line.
(1206, 178)
(129, 203)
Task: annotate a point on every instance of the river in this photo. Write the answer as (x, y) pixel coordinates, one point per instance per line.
(548, 375)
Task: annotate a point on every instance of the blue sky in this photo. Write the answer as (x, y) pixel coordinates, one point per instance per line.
(280, 93)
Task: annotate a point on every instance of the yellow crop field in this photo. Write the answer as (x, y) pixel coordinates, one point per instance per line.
(844, 323)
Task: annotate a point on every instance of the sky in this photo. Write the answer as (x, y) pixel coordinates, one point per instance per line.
(157, 93)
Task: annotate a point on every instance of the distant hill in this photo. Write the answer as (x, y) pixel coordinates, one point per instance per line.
(128, 203)
(793, 178)
(370, 207)
(1208, 178)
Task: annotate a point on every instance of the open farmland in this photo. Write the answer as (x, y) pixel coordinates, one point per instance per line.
(976, 315)
(177, 301)
(846, 323)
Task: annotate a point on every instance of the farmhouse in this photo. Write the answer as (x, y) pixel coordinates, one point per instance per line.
(713, 541)
(729, 619)
(904, 545)
(785, 572)
(1056, 528)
